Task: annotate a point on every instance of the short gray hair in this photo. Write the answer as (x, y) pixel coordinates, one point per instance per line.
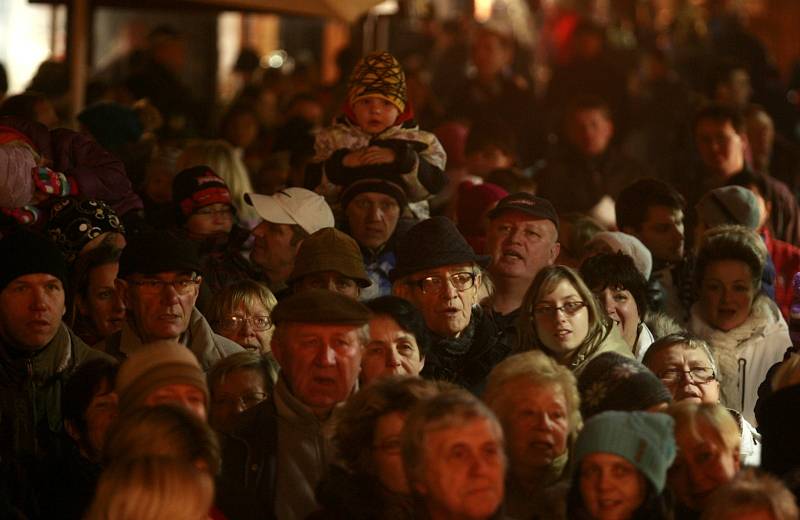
(686, 341)
(448, 409)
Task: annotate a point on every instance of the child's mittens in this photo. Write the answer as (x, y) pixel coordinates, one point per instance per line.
(25, 215)
(54, 183)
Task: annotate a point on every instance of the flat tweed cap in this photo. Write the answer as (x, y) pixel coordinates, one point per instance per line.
(320, 306)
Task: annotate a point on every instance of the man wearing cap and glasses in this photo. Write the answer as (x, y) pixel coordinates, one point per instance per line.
(290, 216)
(159, 280)
(441, 275)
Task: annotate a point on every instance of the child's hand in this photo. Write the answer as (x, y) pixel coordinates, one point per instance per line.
(378, 155)
(367, 156)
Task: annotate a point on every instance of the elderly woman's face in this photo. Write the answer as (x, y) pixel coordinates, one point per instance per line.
(464, 471)
(249, 327)
(536, 422)
(562, 320)
(621, 307)
(445, 296)
(726, 294)
(702, 465)
(386, 442)
(391, 351)
(687, 373)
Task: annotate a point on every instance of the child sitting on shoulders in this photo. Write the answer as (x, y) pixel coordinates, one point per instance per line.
(377, 137)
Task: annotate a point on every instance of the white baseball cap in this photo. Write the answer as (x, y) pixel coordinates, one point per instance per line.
(293, 206)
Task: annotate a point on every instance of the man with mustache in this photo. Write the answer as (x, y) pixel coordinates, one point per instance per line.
(522, 238)
(159, 280)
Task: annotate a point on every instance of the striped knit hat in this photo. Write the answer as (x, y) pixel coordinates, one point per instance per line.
(378, 74)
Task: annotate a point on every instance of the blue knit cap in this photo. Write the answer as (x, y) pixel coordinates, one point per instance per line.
(644, 439)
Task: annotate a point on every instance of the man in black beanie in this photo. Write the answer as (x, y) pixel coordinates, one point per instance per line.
(38, 353)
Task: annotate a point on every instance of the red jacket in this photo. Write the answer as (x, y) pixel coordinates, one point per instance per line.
(786, 258)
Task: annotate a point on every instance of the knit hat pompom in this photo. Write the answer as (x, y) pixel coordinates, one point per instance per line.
(378, 74)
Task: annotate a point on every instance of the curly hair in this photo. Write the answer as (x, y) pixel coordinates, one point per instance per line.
(731, 243)
(617, 271)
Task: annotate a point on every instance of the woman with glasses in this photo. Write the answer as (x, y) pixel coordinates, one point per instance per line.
(237, 383)
(744, 328)
(561, 317)
(241, 312)
(371, 482)
(687, 368)
(708, 455)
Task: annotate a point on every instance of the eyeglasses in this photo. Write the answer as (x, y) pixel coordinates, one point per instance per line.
(434, 284)
(154, 286)
(569, 308)
(697, 375)
(258, 323)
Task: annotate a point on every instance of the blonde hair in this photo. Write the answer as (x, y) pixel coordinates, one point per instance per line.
(539, 369)
(750, 491)
(545, 282)
(245, 293)
(166, 431)
(222, 158)
(152, 488)
(689, 415)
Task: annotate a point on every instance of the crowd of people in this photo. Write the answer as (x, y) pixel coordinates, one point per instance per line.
(570, 305)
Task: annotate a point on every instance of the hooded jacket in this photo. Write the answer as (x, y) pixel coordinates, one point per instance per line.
(745, 354)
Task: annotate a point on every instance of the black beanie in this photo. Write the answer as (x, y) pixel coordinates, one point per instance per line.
(24, 252)
(159, 251)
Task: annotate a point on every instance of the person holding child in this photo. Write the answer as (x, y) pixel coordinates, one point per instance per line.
(377, 136)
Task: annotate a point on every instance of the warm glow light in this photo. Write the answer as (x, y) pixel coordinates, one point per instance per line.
(24, 40)
(483, 10)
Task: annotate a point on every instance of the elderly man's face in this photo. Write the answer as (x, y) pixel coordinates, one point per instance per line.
(464, 468)
(161, 304)
(31, 308)
(320, 362)
(435, 292)
(520, 245)
(372, 218)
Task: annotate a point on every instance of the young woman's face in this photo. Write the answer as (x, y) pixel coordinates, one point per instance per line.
(561, 320)
(103, 304)
(702, 465)
(621, 307)
(210, 220)
(611, 487)
(726, 294)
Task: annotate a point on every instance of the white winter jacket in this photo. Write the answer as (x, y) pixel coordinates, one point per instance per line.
(746, 353)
